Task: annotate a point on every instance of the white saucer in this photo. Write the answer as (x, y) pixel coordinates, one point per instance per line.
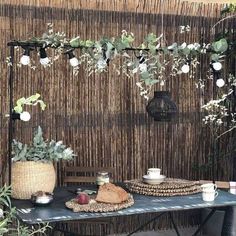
(158, 180)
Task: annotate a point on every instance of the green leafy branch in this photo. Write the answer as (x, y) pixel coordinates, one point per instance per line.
(9, 224)
(41, 150)
(158, 57)
(230, 8)
(218, 47)
(32, 101)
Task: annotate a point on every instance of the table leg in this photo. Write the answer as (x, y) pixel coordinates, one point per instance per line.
(175, 226)
(150, 221)
(204, 222)
(229, 223)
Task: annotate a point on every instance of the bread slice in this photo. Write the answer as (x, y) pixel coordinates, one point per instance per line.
(110, 193)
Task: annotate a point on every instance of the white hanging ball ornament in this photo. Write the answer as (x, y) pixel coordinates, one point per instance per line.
(185, 68)
(25, 60)
(74, 62)
(220, 83)
(217, 66)
(162, 83)
(25, 116)
(44, 61)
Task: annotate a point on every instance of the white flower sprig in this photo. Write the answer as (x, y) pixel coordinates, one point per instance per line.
(218, 111)
(184, 29)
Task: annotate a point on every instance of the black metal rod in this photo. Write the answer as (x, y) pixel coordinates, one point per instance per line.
(10, 125)
(67, 45)
(173, 222)
(204, 222)
(148, 222)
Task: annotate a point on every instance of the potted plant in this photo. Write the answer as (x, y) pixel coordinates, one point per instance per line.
(32, 167)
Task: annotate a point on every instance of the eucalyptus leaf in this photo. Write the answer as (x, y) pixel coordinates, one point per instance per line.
(214, 57)
(152, 48)
(151, 38)
(75, 42)
(89, 43)
(145, 75)
(220, 45)
(186, 51)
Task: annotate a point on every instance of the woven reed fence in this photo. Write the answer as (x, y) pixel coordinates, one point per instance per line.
(103, 117)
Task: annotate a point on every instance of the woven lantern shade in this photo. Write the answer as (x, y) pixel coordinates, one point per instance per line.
(161, 107)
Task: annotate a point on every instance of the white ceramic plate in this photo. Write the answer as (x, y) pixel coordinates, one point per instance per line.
(148, 180)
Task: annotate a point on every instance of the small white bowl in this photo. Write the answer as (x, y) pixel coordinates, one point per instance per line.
(41, 198)
(148, 180)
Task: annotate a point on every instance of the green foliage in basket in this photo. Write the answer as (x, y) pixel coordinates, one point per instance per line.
(41, 150)
(9, 224)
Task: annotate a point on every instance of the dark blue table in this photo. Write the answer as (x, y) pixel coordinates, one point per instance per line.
(57, 211)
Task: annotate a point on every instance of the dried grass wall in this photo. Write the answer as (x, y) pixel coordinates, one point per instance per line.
(103, 117)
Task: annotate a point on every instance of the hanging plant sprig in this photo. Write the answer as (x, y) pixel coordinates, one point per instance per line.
(146, 64)
(32, 101)
(53, 39)
(219, 48)
(180, 58)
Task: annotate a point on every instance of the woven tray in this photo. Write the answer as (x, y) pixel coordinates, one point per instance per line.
(171, 187)
(99, 207)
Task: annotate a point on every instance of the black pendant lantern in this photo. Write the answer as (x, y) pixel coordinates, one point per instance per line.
(161, 107)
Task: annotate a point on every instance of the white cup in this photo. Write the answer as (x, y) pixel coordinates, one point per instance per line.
(208, 187)
(154, 172)
(209, 195)
(232, 186)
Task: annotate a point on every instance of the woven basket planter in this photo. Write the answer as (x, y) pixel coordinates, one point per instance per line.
(29, 177)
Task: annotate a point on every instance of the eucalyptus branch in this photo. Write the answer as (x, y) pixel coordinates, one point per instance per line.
(32, 100)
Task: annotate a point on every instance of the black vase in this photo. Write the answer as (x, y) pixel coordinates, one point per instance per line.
(161, 107)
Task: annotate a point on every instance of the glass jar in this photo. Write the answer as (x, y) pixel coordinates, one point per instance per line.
(102, 178)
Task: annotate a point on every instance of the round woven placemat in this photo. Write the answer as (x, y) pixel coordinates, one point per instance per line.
(98, 206)
(170, 187)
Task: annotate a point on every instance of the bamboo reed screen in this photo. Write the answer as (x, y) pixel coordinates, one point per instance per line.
(103, 117)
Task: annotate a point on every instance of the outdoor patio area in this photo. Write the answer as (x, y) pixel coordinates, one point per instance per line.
(118, 117)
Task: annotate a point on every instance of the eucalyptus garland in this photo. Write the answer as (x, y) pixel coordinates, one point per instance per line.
(152, 60)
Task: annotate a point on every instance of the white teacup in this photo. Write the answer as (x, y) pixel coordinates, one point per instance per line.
(208, 187)
(154, 173)
(232, 186)
(209, 195)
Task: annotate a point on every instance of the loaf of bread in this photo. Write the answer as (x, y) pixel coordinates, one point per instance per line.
(110, 193)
